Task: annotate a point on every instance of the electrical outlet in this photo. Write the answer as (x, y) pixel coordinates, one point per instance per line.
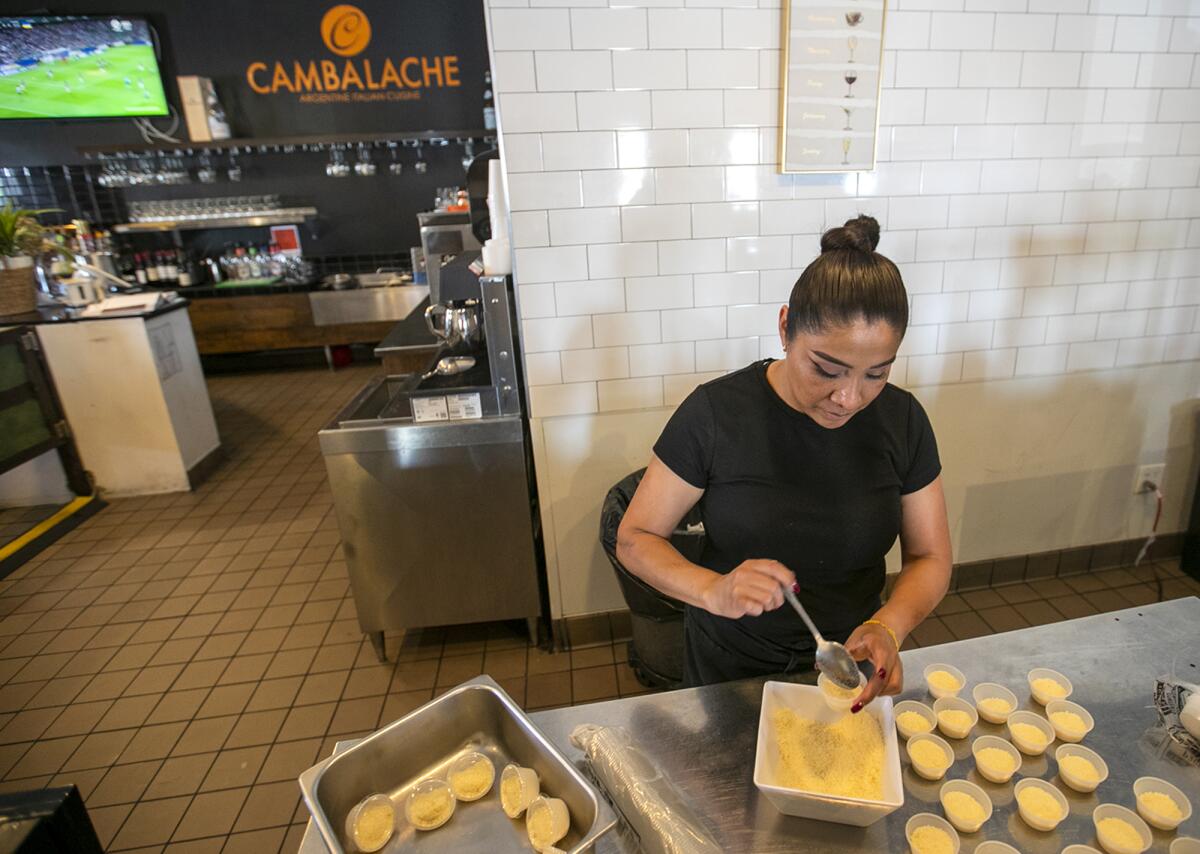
(1153, 473)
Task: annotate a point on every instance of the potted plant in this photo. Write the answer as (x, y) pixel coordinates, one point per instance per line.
(20, 242)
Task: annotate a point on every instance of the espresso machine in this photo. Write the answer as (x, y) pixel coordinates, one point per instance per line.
(432, 474)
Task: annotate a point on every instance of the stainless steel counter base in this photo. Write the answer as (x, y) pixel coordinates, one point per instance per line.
(476, 564)
(704, 738)
(365, 305)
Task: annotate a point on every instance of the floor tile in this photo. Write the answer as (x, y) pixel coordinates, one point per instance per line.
(149, 823)
(180, 775)
(233, 768)
(210, 813)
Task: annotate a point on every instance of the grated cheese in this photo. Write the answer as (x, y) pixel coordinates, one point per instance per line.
(1069, 722)
(429, 809)
(1080, 769)
(943, 680)
(964, 808)
(512, 795)
(373, 826)
(996, 760)
(1119, 833)
(1029, 734)
(474, 781)
(913, 722)
(837, 691)
(928, 839)
(1047, 687)
(955, 720)
(995, 706)
(1040, 804)
(1161, 804)
(927, 753)
(843, 758)
(540, 826)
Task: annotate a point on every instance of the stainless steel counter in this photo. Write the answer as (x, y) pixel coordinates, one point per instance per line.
(704, 738)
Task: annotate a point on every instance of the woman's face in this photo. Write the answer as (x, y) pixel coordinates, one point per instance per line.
(833, 374)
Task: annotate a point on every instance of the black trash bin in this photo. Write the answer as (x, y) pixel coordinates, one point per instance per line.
(656, 648)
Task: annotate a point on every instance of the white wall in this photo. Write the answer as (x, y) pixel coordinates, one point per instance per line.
(1037, 183)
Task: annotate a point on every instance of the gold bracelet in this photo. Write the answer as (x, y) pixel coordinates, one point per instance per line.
(886, 628)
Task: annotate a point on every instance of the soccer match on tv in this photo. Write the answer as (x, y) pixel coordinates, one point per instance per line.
(76, 68)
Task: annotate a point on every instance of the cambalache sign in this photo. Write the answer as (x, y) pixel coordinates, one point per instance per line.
(346, 32)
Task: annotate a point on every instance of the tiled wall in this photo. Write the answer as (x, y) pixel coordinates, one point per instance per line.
(1037, 175)
(1038, 163)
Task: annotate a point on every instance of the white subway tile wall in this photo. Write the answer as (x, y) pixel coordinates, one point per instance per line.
(1037, 174)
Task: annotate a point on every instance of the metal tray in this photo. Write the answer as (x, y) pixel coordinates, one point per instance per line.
(476, 715)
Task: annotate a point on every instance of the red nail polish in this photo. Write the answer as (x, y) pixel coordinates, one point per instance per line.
(882, 673)
(796, 587)
(856, 708)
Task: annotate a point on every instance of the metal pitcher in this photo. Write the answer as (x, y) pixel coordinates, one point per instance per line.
(455, 323)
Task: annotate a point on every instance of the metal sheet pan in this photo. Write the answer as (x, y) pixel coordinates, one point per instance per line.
(477, 715)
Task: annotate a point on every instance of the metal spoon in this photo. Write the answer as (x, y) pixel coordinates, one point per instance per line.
(832, 658)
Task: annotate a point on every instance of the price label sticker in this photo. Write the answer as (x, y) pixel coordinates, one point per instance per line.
(464, 406)
(429, 409)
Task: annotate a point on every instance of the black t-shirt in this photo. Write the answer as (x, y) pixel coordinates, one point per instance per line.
(824, 503)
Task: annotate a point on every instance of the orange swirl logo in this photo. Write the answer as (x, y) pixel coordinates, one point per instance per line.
(346, 30)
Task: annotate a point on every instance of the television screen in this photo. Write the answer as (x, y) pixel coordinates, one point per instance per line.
(77, 67)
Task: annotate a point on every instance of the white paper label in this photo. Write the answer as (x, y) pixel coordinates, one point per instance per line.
(429, 409)
(464, 406)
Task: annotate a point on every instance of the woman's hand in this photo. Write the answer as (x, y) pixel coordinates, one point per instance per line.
(754, 586)
(873, 642)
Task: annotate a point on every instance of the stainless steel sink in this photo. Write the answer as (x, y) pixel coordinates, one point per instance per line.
(477, 715)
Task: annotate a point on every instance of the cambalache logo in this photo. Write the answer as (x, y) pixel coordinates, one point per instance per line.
(346, 32)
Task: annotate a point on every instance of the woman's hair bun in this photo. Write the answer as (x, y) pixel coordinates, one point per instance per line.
(861, 233)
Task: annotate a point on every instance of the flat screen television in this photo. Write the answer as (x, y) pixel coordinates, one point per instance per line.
(77, 67)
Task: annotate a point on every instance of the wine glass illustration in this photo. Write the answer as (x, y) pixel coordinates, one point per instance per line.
(854, 18)
(850, 76)
(847, 111)
(846, 151)
(852, 44)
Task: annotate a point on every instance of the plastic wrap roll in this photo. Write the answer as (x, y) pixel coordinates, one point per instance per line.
(650, 804)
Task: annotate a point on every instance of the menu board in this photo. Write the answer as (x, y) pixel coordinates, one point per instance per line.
(831, 61)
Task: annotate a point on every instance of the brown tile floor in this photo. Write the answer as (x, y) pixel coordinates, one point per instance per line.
(182, 658)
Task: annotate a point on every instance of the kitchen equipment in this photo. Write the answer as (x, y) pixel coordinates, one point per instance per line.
(475, 716)
(385, 277)
(806, 702)
(444, 236)
(432, 480)
(340, 282)
(449, 366)
(832, 658)
(455, 323)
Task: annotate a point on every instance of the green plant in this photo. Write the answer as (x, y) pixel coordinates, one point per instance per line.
(20, 231)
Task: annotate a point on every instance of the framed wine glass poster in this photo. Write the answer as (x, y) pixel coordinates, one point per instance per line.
(830, 80)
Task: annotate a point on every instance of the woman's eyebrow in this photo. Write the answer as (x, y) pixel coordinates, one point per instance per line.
(829, 358)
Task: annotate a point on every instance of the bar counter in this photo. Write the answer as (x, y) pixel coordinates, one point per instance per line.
(704, 738)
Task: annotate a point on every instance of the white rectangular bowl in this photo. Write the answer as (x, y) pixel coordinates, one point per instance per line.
(806, 701)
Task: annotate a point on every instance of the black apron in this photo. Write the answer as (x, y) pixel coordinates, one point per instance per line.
(717, 649)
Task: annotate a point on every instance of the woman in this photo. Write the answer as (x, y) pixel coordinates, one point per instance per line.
(806, 469)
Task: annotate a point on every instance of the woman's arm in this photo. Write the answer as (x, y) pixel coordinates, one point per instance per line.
(924, 576)
(644, 548)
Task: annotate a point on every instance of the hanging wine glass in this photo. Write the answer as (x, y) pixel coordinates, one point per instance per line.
(468, 154)
(420, 167)
(395, 167)
(235, 169)
(365, 167)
